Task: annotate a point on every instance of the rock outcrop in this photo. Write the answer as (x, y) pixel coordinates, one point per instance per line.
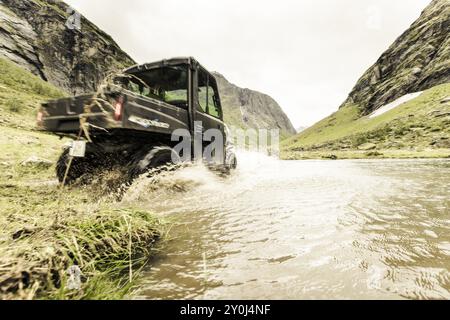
(52, 41)
(417, 60)
(246, 108)
(17, 38)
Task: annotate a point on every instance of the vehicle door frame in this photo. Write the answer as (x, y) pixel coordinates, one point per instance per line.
(194, 69)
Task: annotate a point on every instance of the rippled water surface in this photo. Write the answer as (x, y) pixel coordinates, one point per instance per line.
(303, 230)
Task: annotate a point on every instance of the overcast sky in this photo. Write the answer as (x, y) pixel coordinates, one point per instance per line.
(306, 54)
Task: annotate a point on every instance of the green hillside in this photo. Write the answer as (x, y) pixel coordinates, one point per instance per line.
(20, 95)
(417, 128)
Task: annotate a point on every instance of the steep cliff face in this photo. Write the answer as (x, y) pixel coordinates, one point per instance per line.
(416, 61)
(16, 41)
(65, 49)
(246, 108)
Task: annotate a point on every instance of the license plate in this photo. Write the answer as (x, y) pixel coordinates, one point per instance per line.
(78, 149)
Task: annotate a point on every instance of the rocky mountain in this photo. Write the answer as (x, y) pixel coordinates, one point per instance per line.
(417, 60)
(50, 40)
(246, 108)
(407, 123)
(64, 48)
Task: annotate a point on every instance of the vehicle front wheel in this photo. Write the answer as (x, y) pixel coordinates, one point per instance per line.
(157, 157)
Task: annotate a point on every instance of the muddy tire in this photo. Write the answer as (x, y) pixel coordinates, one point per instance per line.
(157, 157)
(78, 168)
(230, 161)
(233, 163)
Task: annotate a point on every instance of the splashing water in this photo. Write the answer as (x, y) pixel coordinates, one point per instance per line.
(301, 229)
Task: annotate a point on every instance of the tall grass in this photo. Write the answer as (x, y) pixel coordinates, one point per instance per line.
(105, 244)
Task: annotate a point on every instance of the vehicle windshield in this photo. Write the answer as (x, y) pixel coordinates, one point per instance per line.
(168, 84)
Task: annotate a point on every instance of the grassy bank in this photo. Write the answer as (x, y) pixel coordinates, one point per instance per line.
(359, 154)
(417, 128)
(70, 243)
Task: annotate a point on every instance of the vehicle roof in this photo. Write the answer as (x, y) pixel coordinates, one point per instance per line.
(165, 62)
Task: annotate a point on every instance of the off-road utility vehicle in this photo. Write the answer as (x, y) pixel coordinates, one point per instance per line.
(130, 120)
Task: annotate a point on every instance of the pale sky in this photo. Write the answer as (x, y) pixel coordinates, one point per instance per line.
(306, 54)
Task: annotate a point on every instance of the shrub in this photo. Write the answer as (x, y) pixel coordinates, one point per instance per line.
(13, 105)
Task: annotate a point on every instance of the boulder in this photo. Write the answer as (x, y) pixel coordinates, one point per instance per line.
(445, 100)
(34, 161)
(367, 146)
(330, 156)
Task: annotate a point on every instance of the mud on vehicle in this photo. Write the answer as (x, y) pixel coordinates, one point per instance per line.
(130, 120)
